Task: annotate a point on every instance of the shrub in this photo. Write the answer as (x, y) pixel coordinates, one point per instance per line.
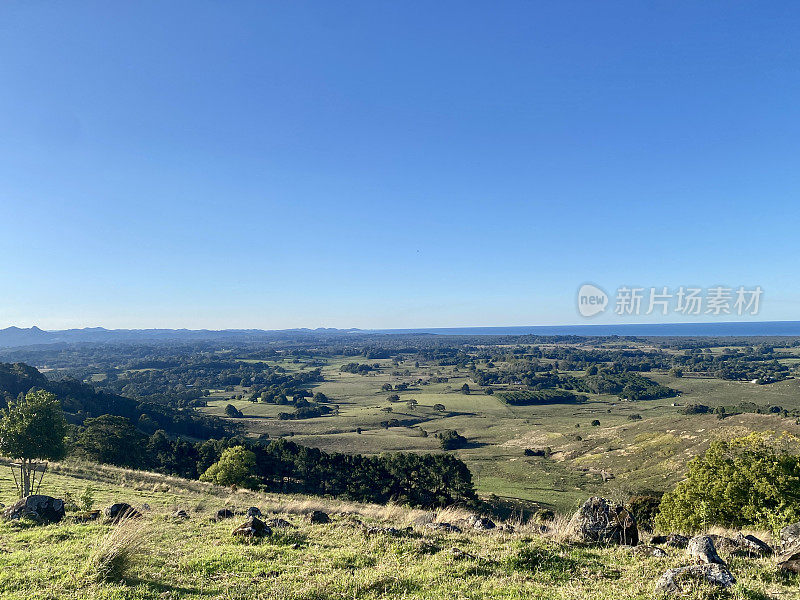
(736, 483)
(86, 499)
(644, 509)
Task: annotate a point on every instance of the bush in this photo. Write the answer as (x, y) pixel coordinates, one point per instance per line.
(644, 509)
(737, 483)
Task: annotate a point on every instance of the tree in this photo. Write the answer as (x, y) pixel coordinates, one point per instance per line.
(32, 428)
(232, 411)
(412, 404)
(438, 407)
(452, 440)
(112, 440)
(743, 482)
(236, 466)
(465, 389)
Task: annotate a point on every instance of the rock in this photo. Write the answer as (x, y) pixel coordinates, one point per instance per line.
(180, 514)
(459, 554)
(446, 527)
(38, 508)
(279, 524)
(317, 517)
(223, 513)
(253, 527)
(724, 544)
(253, 511)
(790, 563)
(390, 531)
(481, 523)
(790, 539)
(599, 521)
(701, 548)
(86, 516)
(121, 510)
(671, 582)
(673, 540)
(752, 546)
(653, 551)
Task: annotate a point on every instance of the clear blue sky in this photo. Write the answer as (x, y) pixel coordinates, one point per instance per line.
(391, 164)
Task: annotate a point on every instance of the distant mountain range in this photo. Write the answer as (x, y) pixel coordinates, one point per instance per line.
(16, 336)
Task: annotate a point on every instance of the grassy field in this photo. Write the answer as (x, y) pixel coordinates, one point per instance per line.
(200, 559)
(618, 458)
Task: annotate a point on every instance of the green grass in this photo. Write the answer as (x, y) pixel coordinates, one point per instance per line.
(646, 455)
(199, 559)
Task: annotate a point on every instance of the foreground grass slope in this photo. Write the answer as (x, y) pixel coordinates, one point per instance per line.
(197, 558)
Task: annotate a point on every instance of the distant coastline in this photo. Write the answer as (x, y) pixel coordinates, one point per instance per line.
(730, 329)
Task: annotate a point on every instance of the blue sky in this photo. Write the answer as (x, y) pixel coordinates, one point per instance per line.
(391, 164)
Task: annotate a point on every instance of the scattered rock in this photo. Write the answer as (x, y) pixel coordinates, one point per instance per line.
(459, 554)
(481, 523)
(279, 523)
(254, 511)
(653, 551)
(701, 548)
(223, 513)
(390, 531)
(673, 540)
(180, 514)
(752, 546)
(253, 527)
(599, 521)
(724, 544)
(790, 539)
(38, 508)
(121, 510)
(86, 516)
(447, 527)
(790, 563)
(317, 517)
(673, 580)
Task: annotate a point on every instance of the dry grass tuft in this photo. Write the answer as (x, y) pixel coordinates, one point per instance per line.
(114, 553)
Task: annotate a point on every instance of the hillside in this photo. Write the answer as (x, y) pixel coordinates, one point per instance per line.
(199, 559)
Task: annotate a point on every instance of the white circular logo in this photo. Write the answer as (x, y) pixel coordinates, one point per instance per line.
(591, 300)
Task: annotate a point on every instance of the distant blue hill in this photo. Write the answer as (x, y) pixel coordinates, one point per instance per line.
(16, 336)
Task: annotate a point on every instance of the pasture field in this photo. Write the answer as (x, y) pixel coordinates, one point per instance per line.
(619, 457)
